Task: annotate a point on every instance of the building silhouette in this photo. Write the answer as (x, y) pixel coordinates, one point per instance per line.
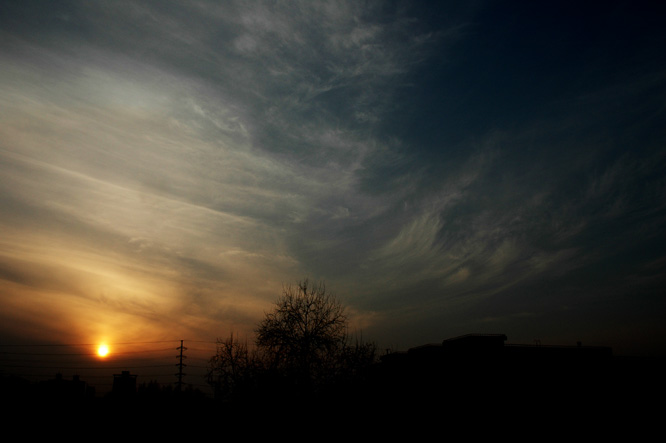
(481, 370)
(60, 388)
(124, 385)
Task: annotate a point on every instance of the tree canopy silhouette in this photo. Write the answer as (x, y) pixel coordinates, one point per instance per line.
(302, 347)
(306, 331)
(233, 369)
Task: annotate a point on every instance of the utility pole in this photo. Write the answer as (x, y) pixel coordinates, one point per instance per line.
(180, 364)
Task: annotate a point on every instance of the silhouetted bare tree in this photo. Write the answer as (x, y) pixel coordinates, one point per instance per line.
(233, 369)
(302, 347)
(306, 332)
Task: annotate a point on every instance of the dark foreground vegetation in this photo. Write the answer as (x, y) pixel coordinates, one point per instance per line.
(302, 351)
(305, 364)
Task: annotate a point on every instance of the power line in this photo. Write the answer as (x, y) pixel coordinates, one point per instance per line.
(87, 344)
(28, 361)
(88, 367)
(83, 353)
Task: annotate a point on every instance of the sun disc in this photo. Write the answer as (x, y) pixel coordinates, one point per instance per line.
(103, 350)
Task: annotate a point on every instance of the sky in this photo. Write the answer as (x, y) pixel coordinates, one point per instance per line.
(445, 167)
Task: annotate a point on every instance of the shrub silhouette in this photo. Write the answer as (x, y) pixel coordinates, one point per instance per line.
(302, 348)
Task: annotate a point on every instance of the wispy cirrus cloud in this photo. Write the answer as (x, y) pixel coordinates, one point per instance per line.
(182, 160)
(193, 144)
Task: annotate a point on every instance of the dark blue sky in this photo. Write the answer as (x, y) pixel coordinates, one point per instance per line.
(445, 167)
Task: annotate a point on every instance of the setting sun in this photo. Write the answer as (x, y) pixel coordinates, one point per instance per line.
(103, 350)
